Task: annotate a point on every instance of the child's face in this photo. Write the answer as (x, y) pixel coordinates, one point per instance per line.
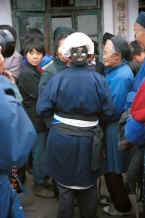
(34, 57)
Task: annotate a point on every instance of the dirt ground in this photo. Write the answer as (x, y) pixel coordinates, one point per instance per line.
(36, 207)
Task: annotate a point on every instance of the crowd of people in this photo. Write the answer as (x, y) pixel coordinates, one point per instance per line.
(70, 119)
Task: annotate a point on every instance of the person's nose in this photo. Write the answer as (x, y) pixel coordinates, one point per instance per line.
(1, 58)
(79, 54)
(35, 56)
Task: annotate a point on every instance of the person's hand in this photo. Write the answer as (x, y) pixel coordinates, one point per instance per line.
(124, 145)
(8, 75)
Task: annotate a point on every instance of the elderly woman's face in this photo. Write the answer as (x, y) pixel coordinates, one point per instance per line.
(139, 34)
(110, 57)
(2, 61)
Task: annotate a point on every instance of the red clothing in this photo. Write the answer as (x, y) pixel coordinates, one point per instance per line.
(39, 69)
(138, 105)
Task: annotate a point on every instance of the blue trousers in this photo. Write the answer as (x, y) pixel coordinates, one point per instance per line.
(38, 156)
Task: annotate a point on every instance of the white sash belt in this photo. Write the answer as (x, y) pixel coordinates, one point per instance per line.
(77, 123)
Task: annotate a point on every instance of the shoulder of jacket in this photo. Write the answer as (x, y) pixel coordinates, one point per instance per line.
(48, 65)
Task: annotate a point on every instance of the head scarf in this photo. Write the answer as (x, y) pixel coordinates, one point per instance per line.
(75, 40)
(141, 19)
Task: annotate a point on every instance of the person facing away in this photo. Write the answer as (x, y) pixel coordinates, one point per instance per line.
(119, 79)
(78, 97)
(58, 62)
(17, 132)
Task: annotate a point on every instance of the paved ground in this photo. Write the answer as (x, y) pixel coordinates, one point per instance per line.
(36, 207)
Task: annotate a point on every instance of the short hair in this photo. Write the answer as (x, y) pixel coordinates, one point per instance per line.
(96, 52)
(11, 29)
(121, 46)
(60, 33)
(106, 36)
(135, 48)
(34, 44)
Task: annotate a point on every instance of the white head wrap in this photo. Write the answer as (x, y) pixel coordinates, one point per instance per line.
(75, 40)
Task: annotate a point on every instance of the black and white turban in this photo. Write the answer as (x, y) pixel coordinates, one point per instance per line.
(74, 40)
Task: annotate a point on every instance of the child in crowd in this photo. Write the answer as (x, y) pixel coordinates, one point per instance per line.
(34, 33)
(28, 83)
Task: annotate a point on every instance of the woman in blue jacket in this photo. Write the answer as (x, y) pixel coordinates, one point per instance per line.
(119, 78)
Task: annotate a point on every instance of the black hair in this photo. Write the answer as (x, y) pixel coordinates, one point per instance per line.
(135, 66)
(11, 29)
(135, 48)
(34, 44)
(30, 35)
(60, 33)
(106, 36)
(96, 52)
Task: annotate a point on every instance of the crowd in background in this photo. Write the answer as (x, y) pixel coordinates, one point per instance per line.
(89, 116)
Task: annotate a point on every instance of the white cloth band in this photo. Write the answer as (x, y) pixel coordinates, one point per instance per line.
(77, 123)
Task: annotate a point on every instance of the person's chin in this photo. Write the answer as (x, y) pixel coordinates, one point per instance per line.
(106, 64)
(35, 64)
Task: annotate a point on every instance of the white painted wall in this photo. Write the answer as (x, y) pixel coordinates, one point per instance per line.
(108, 16)
(133, 6)
(5, 12)
(108, 22)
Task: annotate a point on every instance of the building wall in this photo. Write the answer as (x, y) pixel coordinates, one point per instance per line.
(5, 12)
(108, 18)
(133, 8)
